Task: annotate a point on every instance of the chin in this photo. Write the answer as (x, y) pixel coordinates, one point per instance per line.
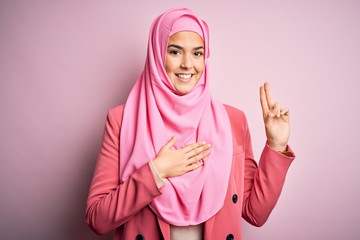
(182, 91)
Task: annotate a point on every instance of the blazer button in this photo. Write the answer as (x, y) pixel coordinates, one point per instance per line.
(235, 198)
(139, 237)
(230, 237)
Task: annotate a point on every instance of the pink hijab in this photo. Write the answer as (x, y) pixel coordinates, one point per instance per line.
(154, 113)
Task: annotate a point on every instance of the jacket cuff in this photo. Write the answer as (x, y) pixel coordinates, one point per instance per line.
(288, 151)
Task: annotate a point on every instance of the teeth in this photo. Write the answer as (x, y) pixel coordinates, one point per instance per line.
(184, 76)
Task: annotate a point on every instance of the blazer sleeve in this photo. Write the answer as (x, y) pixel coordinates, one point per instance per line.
(263, 183)
(111, 204)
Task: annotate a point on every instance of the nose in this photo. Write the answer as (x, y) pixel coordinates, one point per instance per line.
(186, 62)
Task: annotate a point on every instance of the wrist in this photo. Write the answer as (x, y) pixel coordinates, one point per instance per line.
(278, 147)
(160, 181)
(157, 169)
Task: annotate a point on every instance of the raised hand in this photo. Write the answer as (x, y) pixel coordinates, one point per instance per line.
(276, 120)
(172, 163)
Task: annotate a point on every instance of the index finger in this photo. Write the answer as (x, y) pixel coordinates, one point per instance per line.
(191, 147)
(263, 101)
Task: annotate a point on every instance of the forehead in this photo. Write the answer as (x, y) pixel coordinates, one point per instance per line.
(186, 38)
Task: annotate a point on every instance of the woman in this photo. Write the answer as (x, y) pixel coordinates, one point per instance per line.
(175, 163)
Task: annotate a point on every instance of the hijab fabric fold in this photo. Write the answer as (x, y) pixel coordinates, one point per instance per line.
(154, 112)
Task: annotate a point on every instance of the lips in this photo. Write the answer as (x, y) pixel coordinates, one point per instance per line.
(184, 76)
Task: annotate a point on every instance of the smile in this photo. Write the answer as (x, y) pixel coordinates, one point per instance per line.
(184, 76)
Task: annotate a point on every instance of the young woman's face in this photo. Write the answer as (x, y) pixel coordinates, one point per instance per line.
(184, 60)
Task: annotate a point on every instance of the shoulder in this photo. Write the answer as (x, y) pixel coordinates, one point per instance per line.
(235, 114)
(238, 122)
(117, 110)
(239, 125)
(115, 115)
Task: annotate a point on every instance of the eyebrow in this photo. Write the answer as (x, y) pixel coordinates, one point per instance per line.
(179, 47)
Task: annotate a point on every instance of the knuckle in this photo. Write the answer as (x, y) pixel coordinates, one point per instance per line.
(197, 151)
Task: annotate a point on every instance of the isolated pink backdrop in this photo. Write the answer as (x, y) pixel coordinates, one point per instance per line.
(63, 64)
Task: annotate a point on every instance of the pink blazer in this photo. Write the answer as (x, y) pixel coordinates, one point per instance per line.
(252, 191)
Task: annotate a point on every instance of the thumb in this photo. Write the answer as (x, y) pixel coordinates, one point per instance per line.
(275, 110)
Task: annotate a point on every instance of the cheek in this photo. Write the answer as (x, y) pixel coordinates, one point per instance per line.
(169, 65)
(200, 66)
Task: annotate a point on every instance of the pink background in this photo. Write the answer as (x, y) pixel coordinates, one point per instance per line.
(63, 64)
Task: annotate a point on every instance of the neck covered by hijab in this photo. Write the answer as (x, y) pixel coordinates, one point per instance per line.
(154, 112)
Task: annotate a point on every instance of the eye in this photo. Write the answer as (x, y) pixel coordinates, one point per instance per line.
(198, 54)
(174, 52)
